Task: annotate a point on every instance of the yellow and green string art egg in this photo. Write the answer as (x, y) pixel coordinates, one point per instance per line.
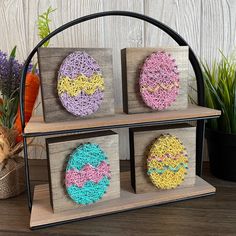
(167, 162)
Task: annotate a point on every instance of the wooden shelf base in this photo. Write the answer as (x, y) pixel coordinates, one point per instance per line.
(42, 214)
(37, 127)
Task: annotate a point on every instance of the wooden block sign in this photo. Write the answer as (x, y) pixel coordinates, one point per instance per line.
(76, 83)
(154, 79)
(162, 157)
(83, 170)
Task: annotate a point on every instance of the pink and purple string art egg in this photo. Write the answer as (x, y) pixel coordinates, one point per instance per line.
(80, 84)
(159, 81)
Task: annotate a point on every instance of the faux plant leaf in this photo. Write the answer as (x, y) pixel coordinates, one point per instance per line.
(220, 92)
(44, 24)
(13, 52)
(233, 117)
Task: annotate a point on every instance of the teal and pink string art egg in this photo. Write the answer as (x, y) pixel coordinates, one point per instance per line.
(159, 81)
(87, 174)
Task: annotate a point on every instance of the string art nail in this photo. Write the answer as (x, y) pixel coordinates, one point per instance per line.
(159, 81)
(87, 174)
(80, 84)
(167, 162)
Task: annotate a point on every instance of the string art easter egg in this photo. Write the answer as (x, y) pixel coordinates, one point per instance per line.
(167, 162)
(80, 84)
(87, 174)
(159, 81)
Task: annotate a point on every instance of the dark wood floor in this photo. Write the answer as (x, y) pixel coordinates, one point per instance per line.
(212, 215)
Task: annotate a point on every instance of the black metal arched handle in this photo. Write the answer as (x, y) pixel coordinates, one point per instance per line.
(158, 24)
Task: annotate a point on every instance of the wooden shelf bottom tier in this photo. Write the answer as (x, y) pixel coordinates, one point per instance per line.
(42, 214)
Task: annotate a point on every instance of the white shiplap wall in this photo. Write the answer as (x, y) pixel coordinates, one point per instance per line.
(207, 25)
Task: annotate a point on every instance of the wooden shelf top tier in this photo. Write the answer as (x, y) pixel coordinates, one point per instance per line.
(37, 127)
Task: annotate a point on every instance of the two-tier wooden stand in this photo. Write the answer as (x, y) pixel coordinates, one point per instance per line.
(41, 211)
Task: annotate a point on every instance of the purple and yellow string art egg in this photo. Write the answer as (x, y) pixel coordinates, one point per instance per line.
(159, 81)
(80, 84)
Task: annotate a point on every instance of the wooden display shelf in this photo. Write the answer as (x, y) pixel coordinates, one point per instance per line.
(37, 126)
(42, 214)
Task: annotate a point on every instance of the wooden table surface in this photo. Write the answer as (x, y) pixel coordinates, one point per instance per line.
(212, 215)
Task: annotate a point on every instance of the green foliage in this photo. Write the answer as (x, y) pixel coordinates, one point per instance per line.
(8, 110)
(220, 93)
(13, 52)
(9, 88)
(44, 25)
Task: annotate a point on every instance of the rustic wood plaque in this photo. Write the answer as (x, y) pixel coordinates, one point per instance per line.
(58, 151)
(141, 139)
(132, 60)
(50, 60)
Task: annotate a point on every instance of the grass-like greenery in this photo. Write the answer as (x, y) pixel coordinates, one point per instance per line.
(220, 92)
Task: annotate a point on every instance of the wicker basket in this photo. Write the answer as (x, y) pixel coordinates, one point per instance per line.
(12, 181)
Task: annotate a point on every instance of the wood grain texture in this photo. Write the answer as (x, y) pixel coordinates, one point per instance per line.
(13, 27)
(50, 60)
(36, 124)
(209, 215)
(88, 34)
(142, 139)
(218, 32)
(38, 170)
(133, 59)
(42, 212)
(183, 16)
(59, 150)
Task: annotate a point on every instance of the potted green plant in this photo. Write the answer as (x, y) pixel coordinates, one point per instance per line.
(220, 93)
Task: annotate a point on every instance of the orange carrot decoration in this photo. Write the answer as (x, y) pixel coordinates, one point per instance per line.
(31, 92)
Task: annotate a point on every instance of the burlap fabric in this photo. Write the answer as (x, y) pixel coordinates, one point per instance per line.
(12, 181)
